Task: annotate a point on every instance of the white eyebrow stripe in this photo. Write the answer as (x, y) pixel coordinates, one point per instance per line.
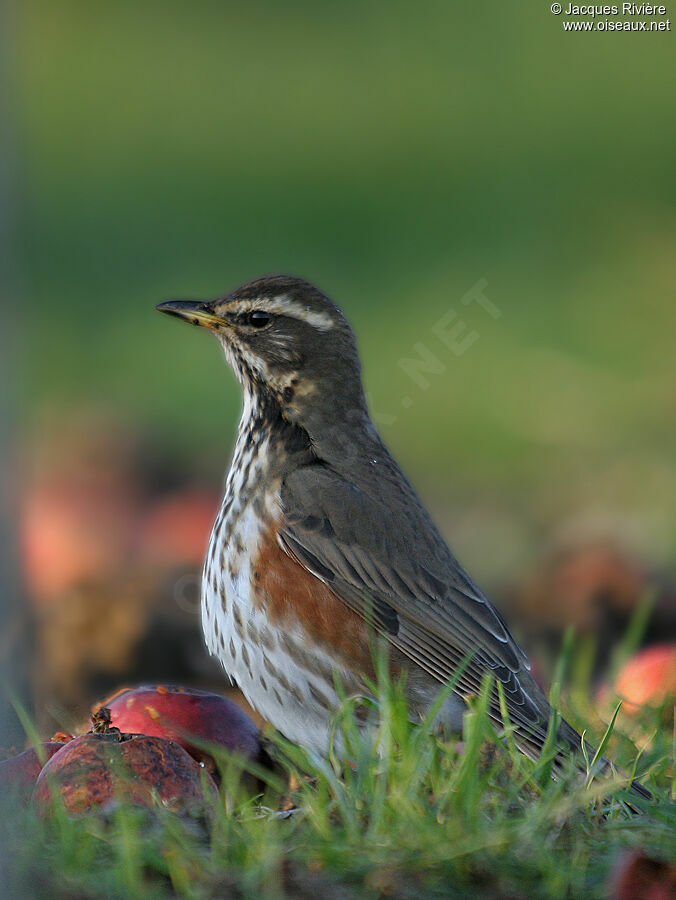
(286, 307)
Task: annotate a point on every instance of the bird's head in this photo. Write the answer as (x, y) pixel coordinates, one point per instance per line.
(287, 340)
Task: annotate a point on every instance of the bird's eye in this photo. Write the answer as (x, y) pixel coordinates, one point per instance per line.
(258, 318)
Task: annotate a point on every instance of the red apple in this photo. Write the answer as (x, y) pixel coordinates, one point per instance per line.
(78, 508)
(176, 530)
(97, 768)
(639, 877)
(648, 678)
(188, 716)
(19, 773)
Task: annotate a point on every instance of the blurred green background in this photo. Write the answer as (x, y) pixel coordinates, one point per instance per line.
(396, 155)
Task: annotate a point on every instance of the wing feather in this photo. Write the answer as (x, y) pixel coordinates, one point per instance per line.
(414, 593)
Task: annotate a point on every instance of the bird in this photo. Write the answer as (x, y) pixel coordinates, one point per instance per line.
(322, 548)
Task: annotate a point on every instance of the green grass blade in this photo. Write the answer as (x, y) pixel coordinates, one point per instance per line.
(600, 751)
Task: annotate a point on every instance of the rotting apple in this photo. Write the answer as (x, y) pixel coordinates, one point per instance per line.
(18, 774)
(104, 766)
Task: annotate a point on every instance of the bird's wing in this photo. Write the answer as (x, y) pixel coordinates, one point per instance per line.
(389, 564)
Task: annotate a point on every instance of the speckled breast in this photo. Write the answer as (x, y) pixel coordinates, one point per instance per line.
(261, 611)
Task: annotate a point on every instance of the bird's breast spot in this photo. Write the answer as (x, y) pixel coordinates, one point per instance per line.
(293, 597)
(277, 661)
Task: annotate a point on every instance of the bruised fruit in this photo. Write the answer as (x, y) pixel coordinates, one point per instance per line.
(640, 877)
(176, 531)
(188, 716)
(648, 679)
(19, 773)
(99, 767)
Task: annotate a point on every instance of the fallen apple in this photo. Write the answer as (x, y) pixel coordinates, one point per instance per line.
(103, 766)
(18, 774)
(176, 530)
(188, 716)
(648, 678)
(641, 877)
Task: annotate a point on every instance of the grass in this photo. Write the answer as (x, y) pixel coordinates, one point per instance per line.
(411, 815)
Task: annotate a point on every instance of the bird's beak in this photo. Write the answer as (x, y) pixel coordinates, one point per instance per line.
(197, 312)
